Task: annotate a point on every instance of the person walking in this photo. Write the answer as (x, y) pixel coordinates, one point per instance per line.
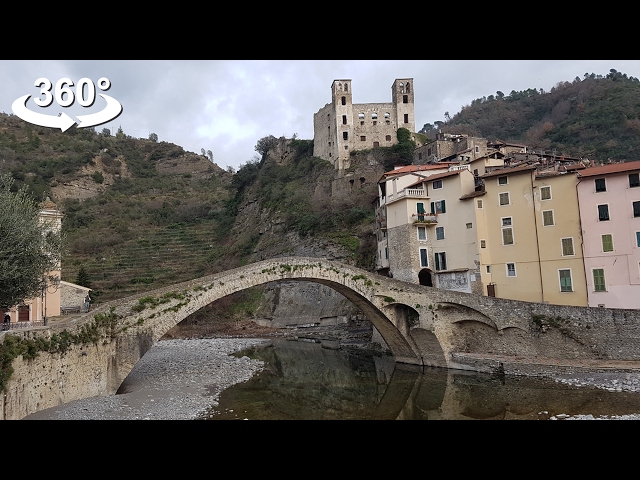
(87, 302)
(6, 321)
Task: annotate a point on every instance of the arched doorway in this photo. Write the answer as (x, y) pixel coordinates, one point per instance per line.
(424, 277)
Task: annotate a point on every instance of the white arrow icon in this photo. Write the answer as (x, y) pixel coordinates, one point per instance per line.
(19, 107)
(111, 111)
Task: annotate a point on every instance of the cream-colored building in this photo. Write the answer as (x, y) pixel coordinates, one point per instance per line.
(341, 127)
(530, 237)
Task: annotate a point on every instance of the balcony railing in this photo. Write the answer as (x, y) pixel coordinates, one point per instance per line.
(424, 218)
(407, 192)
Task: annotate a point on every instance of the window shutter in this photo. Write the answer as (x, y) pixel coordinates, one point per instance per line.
(443, 209)
(444, 261)
(437, 257)
(433, 208)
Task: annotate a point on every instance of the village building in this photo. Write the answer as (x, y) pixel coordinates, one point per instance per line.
(609, 197)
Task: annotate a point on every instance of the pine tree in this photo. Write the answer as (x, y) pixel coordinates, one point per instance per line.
(83, 278)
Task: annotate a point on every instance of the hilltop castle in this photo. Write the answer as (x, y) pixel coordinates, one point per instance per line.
(341, 126)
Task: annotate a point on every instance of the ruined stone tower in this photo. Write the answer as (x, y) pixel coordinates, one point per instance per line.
(341, 126)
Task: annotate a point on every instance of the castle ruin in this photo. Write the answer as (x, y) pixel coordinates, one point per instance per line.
(341, 126)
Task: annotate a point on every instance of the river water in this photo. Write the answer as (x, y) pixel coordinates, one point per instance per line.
(304, 380)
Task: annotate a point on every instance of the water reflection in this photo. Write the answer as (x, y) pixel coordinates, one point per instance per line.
(306, 381)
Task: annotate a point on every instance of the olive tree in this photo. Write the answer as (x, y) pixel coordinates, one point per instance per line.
(29, 249)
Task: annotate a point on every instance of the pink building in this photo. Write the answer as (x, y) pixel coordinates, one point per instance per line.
(609, 202)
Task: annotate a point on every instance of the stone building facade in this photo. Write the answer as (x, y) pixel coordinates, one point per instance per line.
(341, 126)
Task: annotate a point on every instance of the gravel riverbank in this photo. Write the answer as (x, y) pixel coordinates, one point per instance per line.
(175, 380)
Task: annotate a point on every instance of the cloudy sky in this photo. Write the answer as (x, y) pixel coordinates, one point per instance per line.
(227, 105)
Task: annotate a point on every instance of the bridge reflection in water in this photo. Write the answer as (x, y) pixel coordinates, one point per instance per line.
(303, 381)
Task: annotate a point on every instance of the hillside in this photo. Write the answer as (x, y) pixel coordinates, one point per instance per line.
(595, 117)
(139, 214)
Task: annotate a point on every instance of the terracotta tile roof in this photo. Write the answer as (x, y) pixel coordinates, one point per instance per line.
(473, 195)
(509, 170)
(610, 168)
(417, 168)
(435, 177)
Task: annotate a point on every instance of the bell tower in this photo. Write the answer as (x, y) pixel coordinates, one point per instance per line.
(402, 97)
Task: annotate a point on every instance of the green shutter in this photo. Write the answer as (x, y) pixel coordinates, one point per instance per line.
(598, 280)
(442, 205)
(433, 208)
(607, 243)
(437, 257)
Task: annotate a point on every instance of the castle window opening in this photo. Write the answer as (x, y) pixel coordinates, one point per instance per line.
(405, 99)
(345, 135)
(344, 119)
(362, 180)
(406, 118)
(388, 138)
(361, 116)
(376, 144)
(363, 138)
(344, 100)
(374, 115)
(375, 122)
(408, 87)
(386, 115)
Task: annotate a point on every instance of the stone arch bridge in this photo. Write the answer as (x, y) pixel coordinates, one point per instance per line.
(421, 325)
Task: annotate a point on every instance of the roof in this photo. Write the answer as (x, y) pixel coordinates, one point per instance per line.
(436, 177)
(467, 196)
(509, 170)
(417, 168)
(69, 284)
(609, 169)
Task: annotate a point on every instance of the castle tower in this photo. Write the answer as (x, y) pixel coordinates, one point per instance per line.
(343, 110)
(402, 97)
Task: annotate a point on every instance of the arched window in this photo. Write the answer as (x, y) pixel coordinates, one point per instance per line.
(408, 87)
(361, 116)
(374, 115)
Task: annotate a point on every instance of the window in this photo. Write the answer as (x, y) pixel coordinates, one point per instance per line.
(441, 260)
(547, 218)
(386, 252)
(438, 184)
(345, 135)
(361, 116)
(567, 246)
(507, 236)
(545, 193)
(363, 138)
(344, 119)
(422, 233)
(421, 211)
(565, 281)
(603, 213)
(504, 198)
(477, 149)
(386, 115)
(374, 116)
(423, 257)
(638, 239)
(634, 180)
(405, 99)
(502, 180)
(507, 231)
(438, 207)
(469, 225)
(598, 280)
(376, 144)
(607, 243)
(479, 203)
(344, 100)
(488, 268)
(406, 118)
(483, 244)
(511, 269)
(636, 209)
(388, 138)
(439, 233)
(600, 185)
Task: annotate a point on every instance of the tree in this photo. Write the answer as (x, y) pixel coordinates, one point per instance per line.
(106, 132)
(28, 248)
(153, 137)
(120, 132)
(265, 143)
(83, 278)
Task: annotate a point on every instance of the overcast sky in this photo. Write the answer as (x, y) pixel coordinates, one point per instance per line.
(227, 105)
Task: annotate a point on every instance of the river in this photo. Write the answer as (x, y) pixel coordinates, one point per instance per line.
(307, 379)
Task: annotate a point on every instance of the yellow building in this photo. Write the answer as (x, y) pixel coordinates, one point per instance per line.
(529, 236)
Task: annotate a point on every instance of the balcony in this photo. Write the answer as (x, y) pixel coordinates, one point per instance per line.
(407, 193)
(424, 218)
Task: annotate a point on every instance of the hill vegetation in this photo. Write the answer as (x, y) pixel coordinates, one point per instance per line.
(595, 117)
